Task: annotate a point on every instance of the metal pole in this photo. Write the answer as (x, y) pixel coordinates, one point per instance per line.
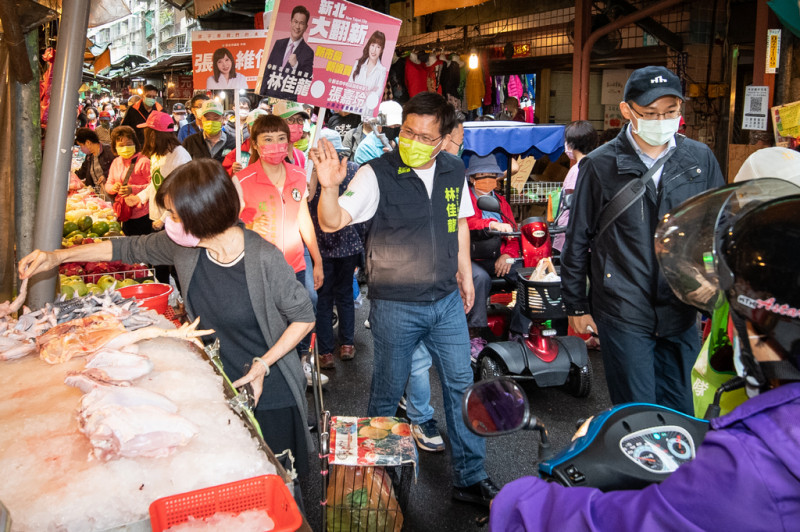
(28, 154)
(595, 36)
(59, 140)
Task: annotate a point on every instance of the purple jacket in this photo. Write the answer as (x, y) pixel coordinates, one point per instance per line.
(746, 476)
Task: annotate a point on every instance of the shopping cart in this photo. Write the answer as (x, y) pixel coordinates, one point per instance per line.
(364, 488)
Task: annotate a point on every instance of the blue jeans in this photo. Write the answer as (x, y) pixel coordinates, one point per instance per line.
(337, 287)
(309, 279)
(418, 389)
(305, 343)
(397, 328)
(641, 367)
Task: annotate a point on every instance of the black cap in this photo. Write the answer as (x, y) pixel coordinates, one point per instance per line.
(178, 107)
(648, 84)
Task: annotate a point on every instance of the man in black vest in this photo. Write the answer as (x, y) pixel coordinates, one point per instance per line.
(420, 275)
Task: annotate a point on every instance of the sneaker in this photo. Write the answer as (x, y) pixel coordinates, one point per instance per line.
(402, 404)
(307, 370)
(366, 323)
(427, 436)
(347, 352)
(476, 345)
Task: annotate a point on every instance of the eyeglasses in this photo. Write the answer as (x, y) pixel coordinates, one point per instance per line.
(669, 115)
(296, 119)
(422, 138)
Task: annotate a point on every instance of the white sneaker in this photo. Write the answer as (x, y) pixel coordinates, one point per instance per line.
(307, 370)
(366, 324)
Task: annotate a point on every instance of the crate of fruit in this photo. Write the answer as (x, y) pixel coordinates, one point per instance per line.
(85, 277)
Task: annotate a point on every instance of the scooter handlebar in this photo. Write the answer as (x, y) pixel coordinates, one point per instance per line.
(502, 234)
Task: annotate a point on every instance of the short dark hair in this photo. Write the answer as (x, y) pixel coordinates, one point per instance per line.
(460, 119)
(128, 133)
(84, 134)
(147, 88)
(203, 196)
(265, 124)
(263, 101)
(159, 142)
(303, 10)
(200, 96)
(431, 103)
(609, 134)
(581, 136)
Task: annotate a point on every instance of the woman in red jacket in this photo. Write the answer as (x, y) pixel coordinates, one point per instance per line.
(487, 260)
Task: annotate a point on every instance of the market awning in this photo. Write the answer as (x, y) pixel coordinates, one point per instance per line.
(166, 63)
(514, 138)
(788, 11)
(432, 6)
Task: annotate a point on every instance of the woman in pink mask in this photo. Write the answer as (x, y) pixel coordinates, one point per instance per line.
(237, 285)
(276, 196)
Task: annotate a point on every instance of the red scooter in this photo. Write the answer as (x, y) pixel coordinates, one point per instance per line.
(546, 355)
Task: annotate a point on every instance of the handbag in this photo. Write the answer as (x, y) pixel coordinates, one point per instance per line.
(122, 210)
(483, 246)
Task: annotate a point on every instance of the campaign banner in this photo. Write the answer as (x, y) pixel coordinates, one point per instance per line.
(328, 53)
(226, 59)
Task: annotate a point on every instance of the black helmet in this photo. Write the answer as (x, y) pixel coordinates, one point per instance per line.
(759, 272)
(741, 240)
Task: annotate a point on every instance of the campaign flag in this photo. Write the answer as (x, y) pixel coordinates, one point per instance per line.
(328, 53)
(226, 59)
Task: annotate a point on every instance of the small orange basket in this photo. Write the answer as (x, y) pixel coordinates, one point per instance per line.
(266, 492)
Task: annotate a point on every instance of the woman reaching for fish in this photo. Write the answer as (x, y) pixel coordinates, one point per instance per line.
(235, 282)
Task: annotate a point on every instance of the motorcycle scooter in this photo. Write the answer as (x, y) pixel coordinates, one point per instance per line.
(627, 446)
(546, 355)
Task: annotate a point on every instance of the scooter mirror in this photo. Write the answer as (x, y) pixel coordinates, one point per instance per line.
(494, 407)
(489, 203)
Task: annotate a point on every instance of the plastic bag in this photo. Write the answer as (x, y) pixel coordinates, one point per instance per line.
(361, 499)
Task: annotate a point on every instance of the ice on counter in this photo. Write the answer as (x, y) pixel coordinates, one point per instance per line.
(247, 521)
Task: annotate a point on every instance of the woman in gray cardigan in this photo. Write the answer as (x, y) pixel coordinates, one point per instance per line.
(236, 282)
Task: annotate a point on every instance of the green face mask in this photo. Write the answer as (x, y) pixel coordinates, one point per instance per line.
(126, 152)
(149, 102)
(413, 153)
(301, 144)
(211, 128)
(460, 149)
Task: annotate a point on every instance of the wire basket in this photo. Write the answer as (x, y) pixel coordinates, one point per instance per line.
(368, 498)
(540, 300)
(535, 192)
(135, 273)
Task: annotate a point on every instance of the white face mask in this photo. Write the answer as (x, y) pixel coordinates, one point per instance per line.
(656, 132)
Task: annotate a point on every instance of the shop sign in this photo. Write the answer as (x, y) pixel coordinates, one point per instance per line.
(613, 84)
(218, 55)
(180, 88)
(329, 66)
(522, 50)
(786, 124)
(756, 100)
(773, 50)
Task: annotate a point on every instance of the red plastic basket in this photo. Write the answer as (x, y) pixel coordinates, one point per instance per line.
(154, 296)
(266, 492)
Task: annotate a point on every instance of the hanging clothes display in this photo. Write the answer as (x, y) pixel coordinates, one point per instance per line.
(397, 79)
(434, 65)
(475, 86)
(416, 74)
(515, 89)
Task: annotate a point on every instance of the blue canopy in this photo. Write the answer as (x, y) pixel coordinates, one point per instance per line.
(514, 138)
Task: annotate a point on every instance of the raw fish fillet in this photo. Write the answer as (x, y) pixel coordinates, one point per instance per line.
(128, 397)
(127, 432)
(116, 367)
(78, 337)
(85, 383)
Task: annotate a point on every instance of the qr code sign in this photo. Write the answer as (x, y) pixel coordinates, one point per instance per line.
(756, 105)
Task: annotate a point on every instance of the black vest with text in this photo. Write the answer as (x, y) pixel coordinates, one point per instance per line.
(412, 241)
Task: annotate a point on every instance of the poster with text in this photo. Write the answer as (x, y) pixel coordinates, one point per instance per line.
(227, 59)
(328, 53)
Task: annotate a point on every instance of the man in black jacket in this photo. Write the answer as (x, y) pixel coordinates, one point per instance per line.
(99, 157)
(138, 112)
(212, 142)
(649, 338)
